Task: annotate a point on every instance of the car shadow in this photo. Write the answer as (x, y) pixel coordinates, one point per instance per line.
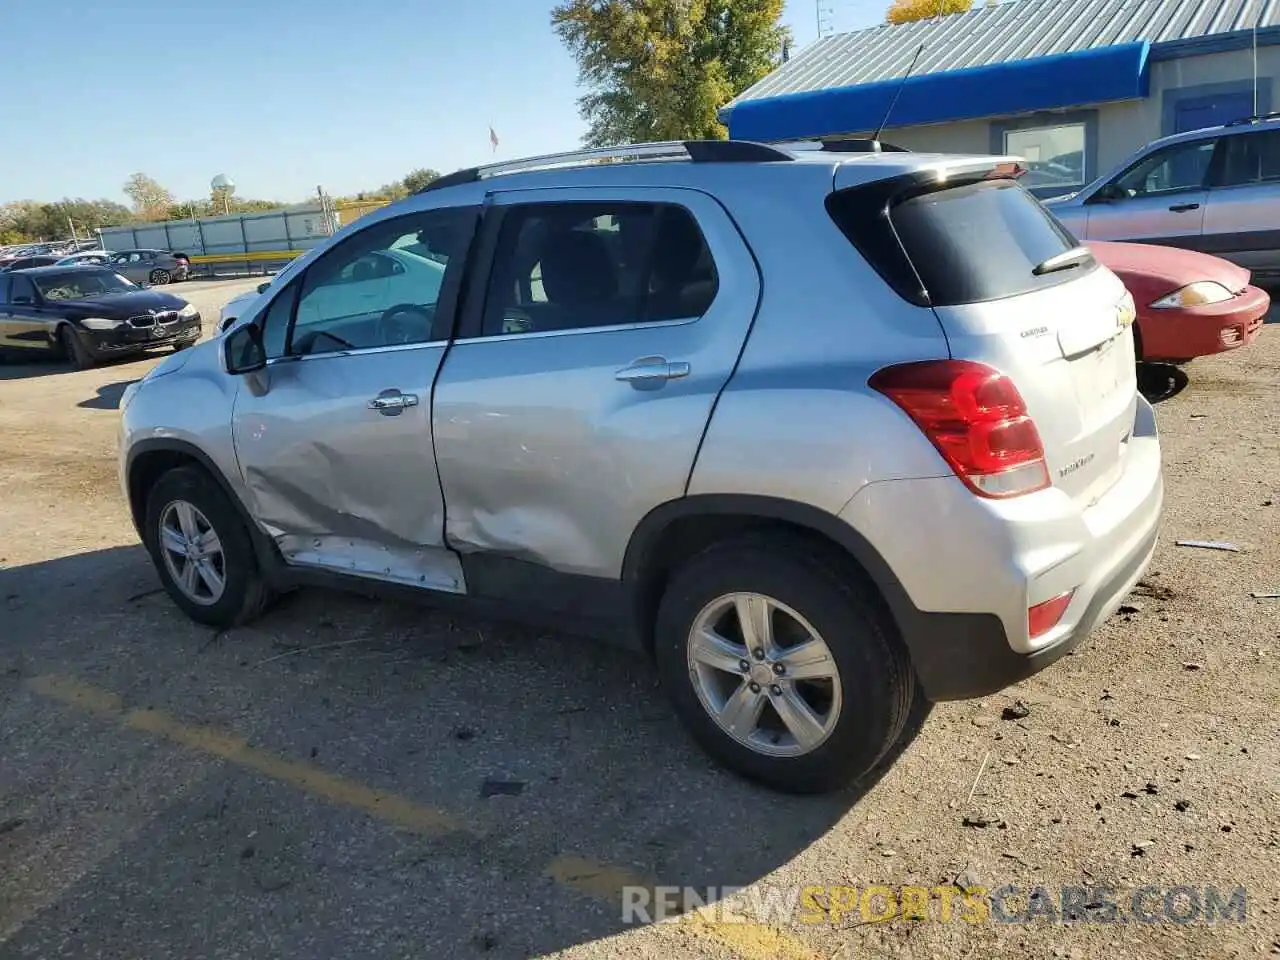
(561, 755)
(1161, 381)
(108, 397)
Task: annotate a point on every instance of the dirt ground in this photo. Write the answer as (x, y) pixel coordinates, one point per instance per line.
(347, 778)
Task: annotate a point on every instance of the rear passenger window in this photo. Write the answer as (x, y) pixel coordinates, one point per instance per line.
(1251, 158)
(574, 266)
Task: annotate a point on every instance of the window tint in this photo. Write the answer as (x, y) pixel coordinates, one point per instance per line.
(1251, 158)
(571, 266)
(381, 286)
(1184, 166)
(963, 244)
(22, 288)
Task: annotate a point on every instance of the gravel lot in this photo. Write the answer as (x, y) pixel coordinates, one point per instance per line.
(348, 778)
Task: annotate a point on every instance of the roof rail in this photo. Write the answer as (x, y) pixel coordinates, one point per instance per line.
(699, 151)
(1255, 119)
(841, 145)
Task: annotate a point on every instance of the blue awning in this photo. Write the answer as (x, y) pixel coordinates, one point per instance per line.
(1000, 89)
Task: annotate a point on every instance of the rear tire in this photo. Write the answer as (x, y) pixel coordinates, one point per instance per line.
(239, 593)
(77, 352)
(160, 277)
(877, 685)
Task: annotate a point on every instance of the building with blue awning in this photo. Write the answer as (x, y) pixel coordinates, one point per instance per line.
(1073, 86)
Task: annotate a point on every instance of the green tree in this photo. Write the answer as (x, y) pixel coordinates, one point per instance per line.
(415, 180)
(905, 11)
(31, 220)
(660, 69)
(150, 200)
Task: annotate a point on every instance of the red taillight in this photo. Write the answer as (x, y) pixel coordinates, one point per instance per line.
(975, 416)
(1043, 617)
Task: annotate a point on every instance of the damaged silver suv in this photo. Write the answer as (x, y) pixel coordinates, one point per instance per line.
(821, 429)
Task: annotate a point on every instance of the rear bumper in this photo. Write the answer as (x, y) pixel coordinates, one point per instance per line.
(1201, 331)
(963, 585)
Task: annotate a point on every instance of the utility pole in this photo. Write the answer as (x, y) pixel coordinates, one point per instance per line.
(74, 238)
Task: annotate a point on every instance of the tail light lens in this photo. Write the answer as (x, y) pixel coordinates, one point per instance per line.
(976, 418)
(1043, 617)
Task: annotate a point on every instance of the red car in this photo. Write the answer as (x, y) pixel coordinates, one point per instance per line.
(1189, 304)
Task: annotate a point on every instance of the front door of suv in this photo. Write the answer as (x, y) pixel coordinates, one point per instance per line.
(588, 363)
(1159, 199)
(333, 437)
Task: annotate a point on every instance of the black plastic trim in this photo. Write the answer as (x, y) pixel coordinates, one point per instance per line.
(734, 151)
(457, 178)
(956, 656)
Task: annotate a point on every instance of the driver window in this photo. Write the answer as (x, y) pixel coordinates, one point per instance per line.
(380, 287)
(1181, 167)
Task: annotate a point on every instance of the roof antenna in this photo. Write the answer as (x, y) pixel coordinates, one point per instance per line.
(897, 93)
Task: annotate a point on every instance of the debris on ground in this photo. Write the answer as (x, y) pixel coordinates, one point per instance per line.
(1016, 711)
(1209, 545)
(1130, 607)
(1265, 594)
(1182, 806)
(1139, 849)
(1151, 789)
(501, 788)
(1192, 665)
(464, 733)
(1152, 591)
(10, 825)
(982, 820)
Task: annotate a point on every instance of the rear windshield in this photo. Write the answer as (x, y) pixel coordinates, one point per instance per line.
(964, 244)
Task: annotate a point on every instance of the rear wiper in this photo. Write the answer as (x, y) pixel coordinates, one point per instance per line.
(1062, 261)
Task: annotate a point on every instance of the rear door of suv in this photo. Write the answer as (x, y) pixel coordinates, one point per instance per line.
(1242, 216)
(595, 340)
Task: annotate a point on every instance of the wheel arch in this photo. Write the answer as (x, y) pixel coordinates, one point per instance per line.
(675, 531)
(149, 460)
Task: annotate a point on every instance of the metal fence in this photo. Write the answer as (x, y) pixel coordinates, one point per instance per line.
(239, 242)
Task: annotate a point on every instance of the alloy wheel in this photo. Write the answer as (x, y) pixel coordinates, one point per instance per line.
(192, 553)
(764, 674)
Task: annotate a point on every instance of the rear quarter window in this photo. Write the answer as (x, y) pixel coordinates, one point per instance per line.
(961, 244)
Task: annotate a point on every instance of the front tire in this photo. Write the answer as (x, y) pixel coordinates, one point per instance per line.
(160, 277)
(74, 348)
(816, 688)
(202, 551)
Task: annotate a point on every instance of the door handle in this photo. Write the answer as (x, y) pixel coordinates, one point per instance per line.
(1184, 207)
(391, 403)
(652, 370)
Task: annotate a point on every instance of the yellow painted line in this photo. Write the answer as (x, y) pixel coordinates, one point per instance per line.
(598, 881)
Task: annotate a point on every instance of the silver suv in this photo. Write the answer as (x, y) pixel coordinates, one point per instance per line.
(1215, 190)
(823, 430)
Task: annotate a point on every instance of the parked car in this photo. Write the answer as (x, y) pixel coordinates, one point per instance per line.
(28, 261)
(818, 459)
(86, 313)
(90, 257)
(156, 267)
(1189, 304)
(1215, 190)
(234, 308)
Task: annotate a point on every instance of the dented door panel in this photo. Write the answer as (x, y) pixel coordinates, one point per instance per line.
(339, 484)
(546, 451)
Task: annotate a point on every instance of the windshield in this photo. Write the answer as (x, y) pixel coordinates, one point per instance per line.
(81, 285)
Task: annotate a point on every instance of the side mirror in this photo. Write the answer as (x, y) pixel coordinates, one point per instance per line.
(262, 287)
(243, 350)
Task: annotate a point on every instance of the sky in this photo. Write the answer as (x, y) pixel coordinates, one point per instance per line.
(287, 95)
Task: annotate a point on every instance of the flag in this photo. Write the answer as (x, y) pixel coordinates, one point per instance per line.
(493, 140)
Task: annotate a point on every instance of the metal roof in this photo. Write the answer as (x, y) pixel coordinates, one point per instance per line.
(1018, 30)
